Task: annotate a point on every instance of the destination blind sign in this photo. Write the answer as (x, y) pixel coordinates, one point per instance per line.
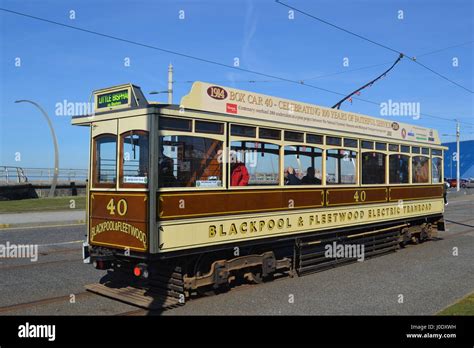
(112, 99)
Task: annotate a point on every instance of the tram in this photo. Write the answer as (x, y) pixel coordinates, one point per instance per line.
(233, 186)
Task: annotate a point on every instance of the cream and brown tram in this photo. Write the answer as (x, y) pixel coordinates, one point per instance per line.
(232, 186)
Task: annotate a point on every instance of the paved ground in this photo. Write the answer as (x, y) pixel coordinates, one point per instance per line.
(428, 276)
(43, 218)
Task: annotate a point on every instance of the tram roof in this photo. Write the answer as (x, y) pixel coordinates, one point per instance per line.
(233, 102)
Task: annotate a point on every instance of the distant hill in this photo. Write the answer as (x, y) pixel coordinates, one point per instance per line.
(467, 159)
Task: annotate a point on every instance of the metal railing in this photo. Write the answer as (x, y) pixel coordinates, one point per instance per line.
(10, 175)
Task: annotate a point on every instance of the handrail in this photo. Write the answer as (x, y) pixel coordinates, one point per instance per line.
(17, 175)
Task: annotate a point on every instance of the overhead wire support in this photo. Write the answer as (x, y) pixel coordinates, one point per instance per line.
(204, 60)
(370, 83)
(413, 59)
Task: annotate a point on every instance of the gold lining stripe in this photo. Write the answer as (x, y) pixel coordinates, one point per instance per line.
(196, 193)
(118, 245)
(242, 211)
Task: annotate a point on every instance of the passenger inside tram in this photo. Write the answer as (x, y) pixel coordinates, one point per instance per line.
(310, 177)
(240, 175)
(290, 177)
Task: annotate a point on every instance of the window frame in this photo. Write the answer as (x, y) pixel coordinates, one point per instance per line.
(393, 153)
(94, 171)
(442, 169)
(122, 136)
(356, 171)
(322, 165)
(411, 169)
(386, 164)
(219, 137)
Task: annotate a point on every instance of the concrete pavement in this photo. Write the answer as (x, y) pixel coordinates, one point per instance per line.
(49, 218)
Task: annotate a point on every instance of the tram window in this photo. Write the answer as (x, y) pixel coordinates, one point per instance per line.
(393, 147)
(180, 124)
(294, 136)
(314, 138)
(367, 144)
(303, 165)
(373, 168)
(415, 149)
(105, 160)
(209, 127)
(436, 152)
(189, 161)
(243, 131)
(420, 169)
(350, 142)
(341, 166)
(398, 165)
(436, 165)
(425, 151)
(333, 141)
(405, 148)
(268, 133)
(381, 146)
(254, 163)
(135, 167)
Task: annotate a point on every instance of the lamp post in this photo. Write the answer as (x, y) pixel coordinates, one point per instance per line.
(55, 142)
(458, 155)
(170, 86)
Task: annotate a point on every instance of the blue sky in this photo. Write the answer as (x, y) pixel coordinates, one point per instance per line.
(62, 64)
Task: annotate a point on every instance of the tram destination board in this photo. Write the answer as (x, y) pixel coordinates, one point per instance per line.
(113, 99)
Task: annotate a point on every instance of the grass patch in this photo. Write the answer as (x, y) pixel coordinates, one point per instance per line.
(42, 204)
(462, 307)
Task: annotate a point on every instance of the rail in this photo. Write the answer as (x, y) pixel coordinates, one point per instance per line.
(10, 175)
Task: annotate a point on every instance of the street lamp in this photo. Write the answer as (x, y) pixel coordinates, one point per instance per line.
(55, 142)
(458, 155)
(170, 86)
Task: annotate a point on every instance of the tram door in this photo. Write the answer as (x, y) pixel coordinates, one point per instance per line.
(118, 195)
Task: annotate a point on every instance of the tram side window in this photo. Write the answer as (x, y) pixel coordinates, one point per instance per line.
(135, 167)
(189, 161)
(398, 165)
(303, 165)
(436, 165)
(254, 163)
(373, 168)
(105, 160)
(420, 169)
(341, 167)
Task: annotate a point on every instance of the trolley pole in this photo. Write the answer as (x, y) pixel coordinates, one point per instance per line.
(170, 84)
(458, 158)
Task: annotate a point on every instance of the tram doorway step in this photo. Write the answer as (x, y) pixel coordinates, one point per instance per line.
(318, 254)
(162, 292)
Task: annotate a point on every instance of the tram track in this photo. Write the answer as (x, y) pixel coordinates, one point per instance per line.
(43, 302)
(35, 264)
(238, 288)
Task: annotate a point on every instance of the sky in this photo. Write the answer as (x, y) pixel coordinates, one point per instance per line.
(59, 64)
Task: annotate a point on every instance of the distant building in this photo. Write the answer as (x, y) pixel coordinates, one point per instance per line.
(467, 159)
